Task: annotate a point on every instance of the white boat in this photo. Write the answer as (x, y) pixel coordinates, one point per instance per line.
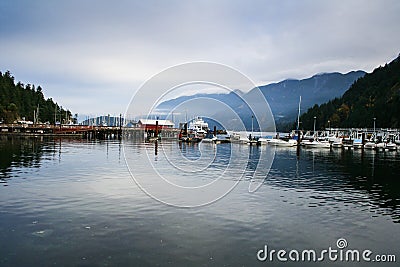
(381, 146)
(241, 138)
(337, 145)
(263, 140)
(209, 140)
(391, 146)
(337, 142)
(317, 144)
(199, 126)
(304, 141)
(280, 142)
(369, 145)
(235, 137)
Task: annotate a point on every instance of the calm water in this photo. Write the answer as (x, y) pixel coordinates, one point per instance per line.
(74, 203)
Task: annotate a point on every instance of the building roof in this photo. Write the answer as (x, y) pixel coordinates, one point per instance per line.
(153, 122)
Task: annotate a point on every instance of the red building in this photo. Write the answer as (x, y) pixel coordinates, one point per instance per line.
(151, 124)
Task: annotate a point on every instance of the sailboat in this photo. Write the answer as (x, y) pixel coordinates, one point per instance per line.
(252, 139)
(316, 142)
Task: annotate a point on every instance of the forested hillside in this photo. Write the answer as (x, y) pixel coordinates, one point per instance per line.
(19, 101)
(376, 95)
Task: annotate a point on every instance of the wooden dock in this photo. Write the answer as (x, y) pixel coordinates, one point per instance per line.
(84, 131)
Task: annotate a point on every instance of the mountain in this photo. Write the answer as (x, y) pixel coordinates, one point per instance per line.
(19, 101)
(283, 97)
(376, 95)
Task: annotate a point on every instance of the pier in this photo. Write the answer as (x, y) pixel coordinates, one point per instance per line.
(85, 131)
(100, 132)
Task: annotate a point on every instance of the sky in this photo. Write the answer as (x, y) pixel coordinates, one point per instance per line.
(91, 56)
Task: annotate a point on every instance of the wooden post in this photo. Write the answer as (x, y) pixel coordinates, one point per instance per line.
(298, 138)
(120, 126)
(156, 134)
(298, 143)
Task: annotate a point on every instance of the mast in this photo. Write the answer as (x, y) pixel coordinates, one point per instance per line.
(186, 118)
(298, 116)
(252, 117)
(37, 114)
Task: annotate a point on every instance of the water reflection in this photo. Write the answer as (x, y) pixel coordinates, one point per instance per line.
(367, 178)
(20, 152)
(351, 176)
(74, 204)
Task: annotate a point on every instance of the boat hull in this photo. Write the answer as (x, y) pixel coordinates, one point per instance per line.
(317, 144)
(280, 142)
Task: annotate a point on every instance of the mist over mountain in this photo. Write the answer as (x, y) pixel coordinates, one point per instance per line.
(283, 98)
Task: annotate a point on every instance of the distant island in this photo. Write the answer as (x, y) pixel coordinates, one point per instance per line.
(19, 102)
(374, 97)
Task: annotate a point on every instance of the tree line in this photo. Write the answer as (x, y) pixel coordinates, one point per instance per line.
(19, 101)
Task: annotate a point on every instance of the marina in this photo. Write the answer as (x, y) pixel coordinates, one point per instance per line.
(197, 130)
(353, 138)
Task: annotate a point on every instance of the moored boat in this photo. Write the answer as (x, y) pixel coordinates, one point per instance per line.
(263, 140)
(281, 142)
(391, 146)
(380, 146)
(337, 143)
(238, 137)
(209, 140)
(369, 145)
(190, 138)
(317, 144)
(198, 126)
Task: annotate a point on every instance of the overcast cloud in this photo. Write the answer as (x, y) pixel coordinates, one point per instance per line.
(91, 56)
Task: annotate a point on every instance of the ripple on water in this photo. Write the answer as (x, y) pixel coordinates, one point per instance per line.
(80, 204)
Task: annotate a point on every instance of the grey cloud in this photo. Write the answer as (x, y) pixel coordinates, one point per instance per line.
(92, 44)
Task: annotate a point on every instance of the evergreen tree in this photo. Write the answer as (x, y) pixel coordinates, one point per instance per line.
(19, 101)
(376, 95)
